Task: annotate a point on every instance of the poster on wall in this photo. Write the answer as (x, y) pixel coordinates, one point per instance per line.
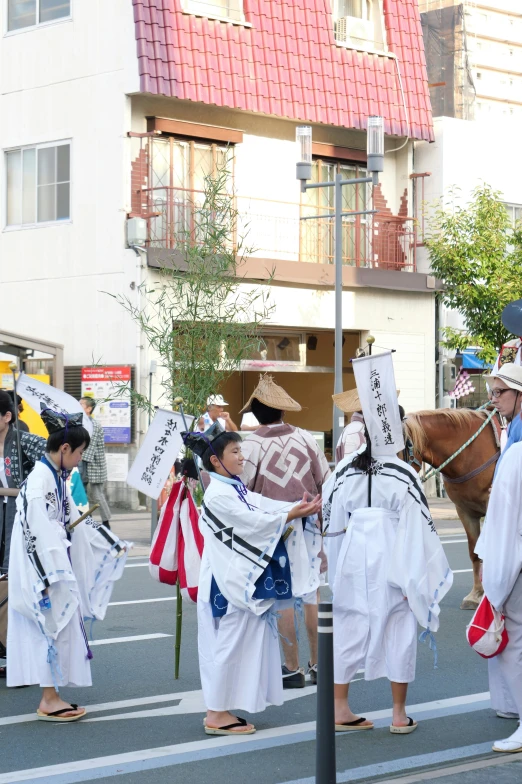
(113, 410)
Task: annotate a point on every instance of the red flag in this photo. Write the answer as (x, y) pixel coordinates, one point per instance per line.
(178, 544)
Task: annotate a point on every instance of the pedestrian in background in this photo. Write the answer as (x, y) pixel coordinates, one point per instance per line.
(216, 413)
(32, 448)
(22, 426)
(94, 464)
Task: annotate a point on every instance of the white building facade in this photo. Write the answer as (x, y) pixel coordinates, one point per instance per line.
(88, 143)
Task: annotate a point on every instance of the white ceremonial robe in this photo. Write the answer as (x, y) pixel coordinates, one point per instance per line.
(500, 548)
(386, 566)
(50, 648)
(239, 658)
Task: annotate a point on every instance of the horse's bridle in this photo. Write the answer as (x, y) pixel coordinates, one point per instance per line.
(409, 452)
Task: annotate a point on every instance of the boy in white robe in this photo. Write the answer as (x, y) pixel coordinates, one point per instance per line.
(500, 548)
(388, 570)
(59, 576)
(246, 570)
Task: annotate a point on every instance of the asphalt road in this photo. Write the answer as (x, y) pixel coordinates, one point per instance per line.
(143, 726)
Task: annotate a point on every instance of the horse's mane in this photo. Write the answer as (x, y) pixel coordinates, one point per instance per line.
(458, 417)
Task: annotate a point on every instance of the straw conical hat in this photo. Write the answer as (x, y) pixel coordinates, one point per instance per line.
(269, 393)
(349, 401)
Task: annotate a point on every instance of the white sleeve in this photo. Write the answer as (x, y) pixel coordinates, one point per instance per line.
(98, 558)
(418, 565)
(500, 544)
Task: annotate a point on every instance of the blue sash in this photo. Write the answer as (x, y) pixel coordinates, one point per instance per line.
(274, 583)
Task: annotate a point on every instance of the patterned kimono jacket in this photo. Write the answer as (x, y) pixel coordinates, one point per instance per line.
(57, 579)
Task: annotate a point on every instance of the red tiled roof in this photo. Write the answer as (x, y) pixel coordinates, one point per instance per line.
(287, 64)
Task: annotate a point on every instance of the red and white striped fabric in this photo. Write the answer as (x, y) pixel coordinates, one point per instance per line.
(486, 631)
(177, 544)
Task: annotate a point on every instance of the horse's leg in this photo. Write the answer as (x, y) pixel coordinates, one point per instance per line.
(471, 525)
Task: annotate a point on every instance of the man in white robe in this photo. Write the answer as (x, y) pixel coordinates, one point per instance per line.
(387, 567)
(500, 548)
(239, 590)
(58, 577)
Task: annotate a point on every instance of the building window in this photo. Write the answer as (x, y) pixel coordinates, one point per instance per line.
(514, 212)
(177, 172)
(30, 13)
(317, 236)
(223, 9)
(38, 184)
(359, 23)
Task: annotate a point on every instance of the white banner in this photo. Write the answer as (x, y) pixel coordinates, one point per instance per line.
(157, 454)
(377, 390)
(35, 392)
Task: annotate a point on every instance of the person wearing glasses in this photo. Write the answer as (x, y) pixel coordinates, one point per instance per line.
(505, 392)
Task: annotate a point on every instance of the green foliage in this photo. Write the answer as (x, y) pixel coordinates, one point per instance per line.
(477, 255)
(197, 316)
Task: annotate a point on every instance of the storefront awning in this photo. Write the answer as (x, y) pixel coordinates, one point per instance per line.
(470, 361)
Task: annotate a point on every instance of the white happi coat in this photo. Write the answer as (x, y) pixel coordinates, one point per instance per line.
(387, 569)
(51, 648)
(500, 548)
(239, 659)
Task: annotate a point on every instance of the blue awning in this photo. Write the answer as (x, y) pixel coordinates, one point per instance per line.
(470, 361)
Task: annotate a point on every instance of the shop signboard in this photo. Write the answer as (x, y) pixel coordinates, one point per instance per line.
(113, 409)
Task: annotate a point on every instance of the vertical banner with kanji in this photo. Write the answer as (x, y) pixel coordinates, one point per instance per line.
(157, 454)
(377, 390)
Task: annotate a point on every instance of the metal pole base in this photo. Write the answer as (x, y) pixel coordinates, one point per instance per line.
(325, 767)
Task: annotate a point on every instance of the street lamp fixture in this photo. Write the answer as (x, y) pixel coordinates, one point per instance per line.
(303, 137)
(375, 150)
(375, 144)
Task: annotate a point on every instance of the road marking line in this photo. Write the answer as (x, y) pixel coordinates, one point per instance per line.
(144, 601)
(134, 566)
(405, 763)
(453, 541)
(164, 756)
(461, 571)
(111, 640)
(453, 770)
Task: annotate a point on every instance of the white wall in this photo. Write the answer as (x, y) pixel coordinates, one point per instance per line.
(68, 81)
(467, 154)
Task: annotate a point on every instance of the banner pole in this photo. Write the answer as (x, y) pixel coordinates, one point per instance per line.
(13, 368)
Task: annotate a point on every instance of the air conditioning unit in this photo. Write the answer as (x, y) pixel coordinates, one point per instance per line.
(355, 31)
(449, 376)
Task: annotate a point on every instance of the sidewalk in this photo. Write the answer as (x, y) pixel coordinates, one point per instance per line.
(135, 526)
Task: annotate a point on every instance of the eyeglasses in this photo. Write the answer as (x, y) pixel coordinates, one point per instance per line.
(496, 393)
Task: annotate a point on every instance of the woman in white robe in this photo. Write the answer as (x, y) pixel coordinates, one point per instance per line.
(500, 548)
(388, 571)
(59, 579)
(238, 643)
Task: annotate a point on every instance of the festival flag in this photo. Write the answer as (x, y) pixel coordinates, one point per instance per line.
(177, 544)
(156, 456)
(463, 385)
(377, 390)
(36, 392)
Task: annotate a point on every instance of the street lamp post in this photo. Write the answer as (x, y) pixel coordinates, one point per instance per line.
(375, 164)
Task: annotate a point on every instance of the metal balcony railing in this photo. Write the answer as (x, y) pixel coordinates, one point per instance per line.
(272, 229)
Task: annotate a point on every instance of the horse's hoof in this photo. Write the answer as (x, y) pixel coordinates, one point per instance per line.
(469, 604)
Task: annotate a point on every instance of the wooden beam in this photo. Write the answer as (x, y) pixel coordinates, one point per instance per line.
(190, 130)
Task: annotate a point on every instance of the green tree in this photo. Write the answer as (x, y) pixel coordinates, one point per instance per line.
(198, 315)
(477, 255)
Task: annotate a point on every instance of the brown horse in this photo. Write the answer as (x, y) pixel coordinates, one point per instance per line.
(434, 437)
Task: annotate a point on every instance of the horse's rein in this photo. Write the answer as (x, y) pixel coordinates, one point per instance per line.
(412, 460)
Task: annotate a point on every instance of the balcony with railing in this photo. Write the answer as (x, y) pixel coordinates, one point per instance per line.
(275, 230)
